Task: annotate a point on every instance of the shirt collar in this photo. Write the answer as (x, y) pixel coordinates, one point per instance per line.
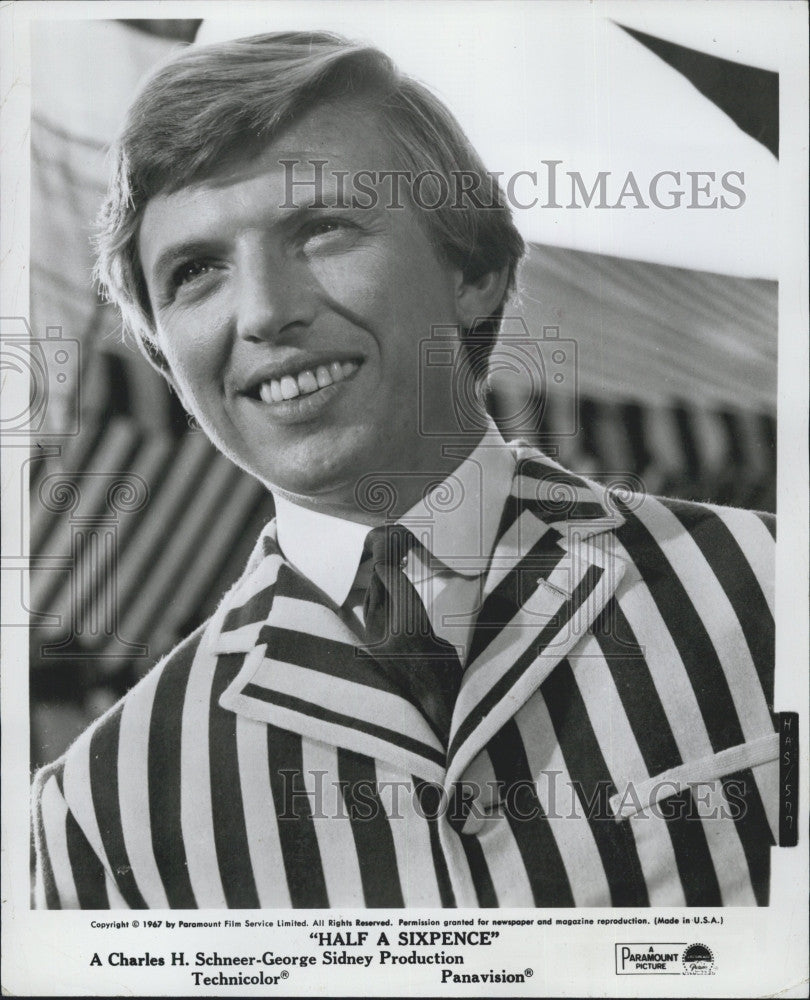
(457, 522)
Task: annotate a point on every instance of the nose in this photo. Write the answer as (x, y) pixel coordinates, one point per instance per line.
(275, 295)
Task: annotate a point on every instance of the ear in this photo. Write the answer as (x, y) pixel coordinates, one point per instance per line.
(480, 297)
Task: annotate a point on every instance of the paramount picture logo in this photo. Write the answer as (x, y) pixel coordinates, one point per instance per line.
(636, 958)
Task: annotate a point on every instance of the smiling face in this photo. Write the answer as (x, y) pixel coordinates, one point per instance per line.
(292, 331)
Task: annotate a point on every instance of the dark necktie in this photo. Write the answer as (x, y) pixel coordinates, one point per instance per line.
(398, 634)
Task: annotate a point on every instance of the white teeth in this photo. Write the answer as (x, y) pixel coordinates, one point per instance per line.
(308, 381)
(289, 387)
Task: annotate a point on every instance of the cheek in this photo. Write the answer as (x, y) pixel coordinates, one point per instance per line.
(359, 285)
(195, 347)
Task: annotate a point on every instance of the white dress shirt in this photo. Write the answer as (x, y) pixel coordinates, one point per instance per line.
(456, 522)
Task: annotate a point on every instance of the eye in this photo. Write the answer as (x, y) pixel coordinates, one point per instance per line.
(188, 271)
(327, 231)
(326, 226)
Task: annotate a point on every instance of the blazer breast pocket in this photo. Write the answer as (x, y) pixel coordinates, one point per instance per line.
(720, 785)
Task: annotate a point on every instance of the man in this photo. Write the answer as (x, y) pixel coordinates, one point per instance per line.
(452, 674)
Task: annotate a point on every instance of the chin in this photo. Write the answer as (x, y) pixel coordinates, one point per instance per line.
(326, 472)
(318, 480)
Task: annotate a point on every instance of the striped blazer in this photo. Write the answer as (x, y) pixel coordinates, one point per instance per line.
(612, 743)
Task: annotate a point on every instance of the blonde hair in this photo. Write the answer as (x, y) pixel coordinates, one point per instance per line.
(227, 101)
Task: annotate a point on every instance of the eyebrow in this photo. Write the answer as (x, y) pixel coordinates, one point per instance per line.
(177, 253)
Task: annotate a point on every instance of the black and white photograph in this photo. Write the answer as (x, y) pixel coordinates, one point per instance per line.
(404, 434)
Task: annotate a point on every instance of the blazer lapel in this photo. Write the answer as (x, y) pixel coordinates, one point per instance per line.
(552, 572)
(304, 671)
